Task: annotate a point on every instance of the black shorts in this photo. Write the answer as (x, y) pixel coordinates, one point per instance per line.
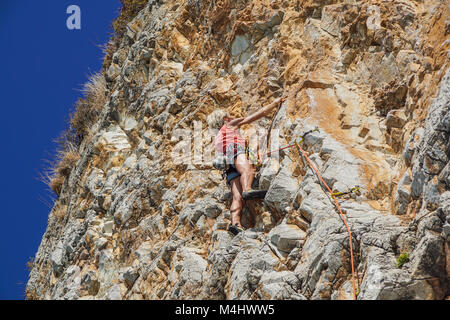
(232, 173)
(232, 151)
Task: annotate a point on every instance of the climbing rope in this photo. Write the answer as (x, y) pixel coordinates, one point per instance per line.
(340, 212)
(334, 195)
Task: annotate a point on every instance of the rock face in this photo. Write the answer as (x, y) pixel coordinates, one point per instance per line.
(373, 78)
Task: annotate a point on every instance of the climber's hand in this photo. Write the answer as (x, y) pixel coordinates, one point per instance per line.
(278, 100)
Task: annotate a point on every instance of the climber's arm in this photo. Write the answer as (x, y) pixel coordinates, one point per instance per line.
(261, 113)
(235, 122)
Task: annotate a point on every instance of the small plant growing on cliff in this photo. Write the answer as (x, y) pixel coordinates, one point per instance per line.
(402, 259)
(66, 160)
(60, 167)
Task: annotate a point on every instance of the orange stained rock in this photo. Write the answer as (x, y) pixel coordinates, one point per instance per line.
(321, 106)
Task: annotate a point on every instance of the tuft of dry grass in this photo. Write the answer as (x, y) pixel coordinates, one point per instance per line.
(56, 184)
(59, 211)
(67, 163)
(88, 108)
(86, 113)
(61, 169)
(58, 169)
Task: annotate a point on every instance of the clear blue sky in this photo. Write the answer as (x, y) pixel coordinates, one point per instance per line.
(43, 66)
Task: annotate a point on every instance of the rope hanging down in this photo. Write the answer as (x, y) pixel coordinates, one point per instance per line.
(340, 212)
(333, 195)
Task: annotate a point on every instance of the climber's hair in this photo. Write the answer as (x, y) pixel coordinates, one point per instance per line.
(217, 118)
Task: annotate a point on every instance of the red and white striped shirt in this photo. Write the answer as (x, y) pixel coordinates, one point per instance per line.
(227, 136)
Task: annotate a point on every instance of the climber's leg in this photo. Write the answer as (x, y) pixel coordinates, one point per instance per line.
(246, 170)
(237, 203)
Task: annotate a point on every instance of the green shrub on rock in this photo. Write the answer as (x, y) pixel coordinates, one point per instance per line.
(402, 259)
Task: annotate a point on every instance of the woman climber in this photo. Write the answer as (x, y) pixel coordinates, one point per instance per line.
(241, 172)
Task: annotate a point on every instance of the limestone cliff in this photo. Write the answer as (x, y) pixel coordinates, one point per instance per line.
(133, 223)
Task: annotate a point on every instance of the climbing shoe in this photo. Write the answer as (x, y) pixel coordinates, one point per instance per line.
(235, 229)
(254, 194)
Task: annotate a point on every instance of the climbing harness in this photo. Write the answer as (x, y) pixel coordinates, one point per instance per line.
(311, 165)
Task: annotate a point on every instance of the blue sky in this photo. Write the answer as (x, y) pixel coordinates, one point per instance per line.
(43, 67)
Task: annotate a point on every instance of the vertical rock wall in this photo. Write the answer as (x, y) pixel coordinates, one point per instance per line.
(371, 75)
